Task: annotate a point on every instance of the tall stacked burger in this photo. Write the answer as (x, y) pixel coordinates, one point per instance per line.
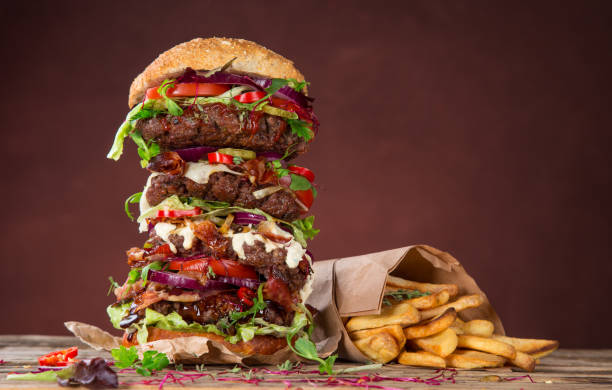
(216, 123)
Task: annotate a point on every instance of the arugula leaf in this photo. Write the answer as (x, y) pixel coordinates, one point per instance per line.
(134, 198)
(238, 160)
(275, 85)
(173, 108)
(236, 369)
(301, 128)
(278, 168)
(144, 274)
(133, 275)
(305, 348)
(286, 366)
(124, 357)
(146, 150)
(297, 85)
(147, 113)
(113, 285)
(211, 274)
(306, 227)
(258, 305)
(299, 183)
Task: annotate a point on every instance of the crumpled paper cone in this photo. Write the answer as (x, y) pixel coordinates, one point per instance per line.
(197, 350)
(360, 281)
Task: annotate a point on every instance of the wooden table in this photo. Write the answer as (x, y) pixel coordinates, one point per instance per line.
(563, 369)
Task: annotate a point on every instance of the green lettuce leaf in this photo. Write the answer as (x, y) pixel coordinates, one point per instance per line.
(174, 322)
(116, 313)
(124, 130)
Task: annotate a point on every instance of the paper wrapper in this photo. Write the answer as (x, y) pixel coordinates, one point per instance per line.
(360, 282)
(197, 350)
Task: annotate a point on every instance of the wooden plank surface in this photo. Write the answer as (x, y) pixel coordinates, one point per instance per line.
(565, 368)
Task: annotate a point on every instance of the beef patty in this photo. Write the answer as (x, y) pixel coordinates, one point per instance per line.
(224, 126)
(224, 187)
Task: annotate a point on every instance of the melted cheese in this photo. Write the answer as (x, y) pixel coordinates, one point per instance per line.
(163, 230)
(200, 172)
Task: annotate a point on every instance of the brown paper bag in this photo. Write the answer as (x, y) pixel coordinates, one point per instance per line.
(360, 281)
(196, 350)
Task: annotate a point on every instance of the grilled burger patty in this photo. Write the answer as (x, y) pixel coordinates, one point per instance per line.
(220, 125)
(225, 187)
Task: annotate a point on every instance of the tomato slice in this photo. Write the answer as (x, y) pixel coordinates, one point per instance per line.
(59, 358)
(220, 158)
(250, 97)
(288, 105)
(178, 213)
(307, 173)
(305, 196)
(221, 267)
(190, 89)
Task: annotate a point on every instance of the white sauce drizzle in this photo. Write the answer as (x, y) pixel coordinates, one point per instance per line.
(188, 236)
(295, 252)
(163, 230)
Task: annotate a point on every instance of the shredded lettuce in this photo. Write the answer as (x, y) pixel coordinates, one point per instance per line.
(174, 322)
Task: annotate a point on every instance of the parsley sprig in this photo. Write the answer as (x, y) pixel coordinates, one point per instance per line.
(151, 360)
(401, 295)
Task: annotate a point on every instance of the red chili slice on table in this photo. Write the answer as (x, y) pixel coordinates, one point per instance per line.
(59, 358)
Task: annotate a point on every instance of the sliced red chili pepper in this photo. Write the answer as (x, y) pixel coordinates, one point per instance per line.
(246, 295)
(216, 157)
(59, 358)
(178, 213)
(250, 97)
(307, 173)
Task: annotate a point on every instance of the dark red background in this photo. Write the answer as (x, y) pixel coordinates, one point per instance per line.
(478, 128)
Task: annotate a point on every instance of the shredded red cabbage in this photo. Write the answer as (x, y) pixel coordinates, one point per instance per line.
(363, 380)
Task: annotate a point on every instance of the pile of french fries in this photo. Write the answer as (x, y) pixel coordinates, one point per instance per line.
(426, 332)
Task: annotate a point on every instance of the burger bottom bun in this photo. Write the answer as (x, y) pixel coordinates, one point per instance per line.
(259, 345)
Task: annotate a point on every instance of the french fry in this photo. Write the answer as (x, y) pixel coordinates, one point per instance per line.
(524, 361)
(394, 281)
(462, 303)
(427, 301)
(537, 348)
(481, 328)
(402, 314)
(473, 359)
(485, 344)
(394, 330)
(380, 348)
(431, 327)
(441, 344)
(421, 359)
